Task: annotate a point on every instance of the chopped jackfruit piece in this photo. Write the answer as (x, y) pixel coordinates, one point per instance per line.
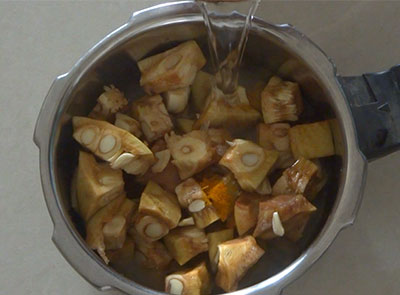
(153, 117)
(96, 185)
(161, 204)
(191, 152)
(214, 239)
(94, 227)
(201, 88)
(235, 258)
(312, 140)
(115, 145)
(281, 101)
(295, 179)
(249, 162)
(287, 206)
(184, 243)
(195, 281)
(172, 69)
(108, 104)
(220, 113)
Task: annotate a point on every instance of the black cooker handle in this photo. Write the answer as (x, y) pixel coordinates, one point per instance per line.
(375, 103)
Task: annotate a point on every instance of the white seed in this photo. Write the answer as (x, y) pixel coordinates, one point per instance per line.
(186, 222)
(154, 230)
(107, 180)
(277, 226)
(196, 233)
(150, 228)
(186, 149)
(176, 100)
(148, 131)
(123, 160)
(196, 206)
(123, 125)
(107, 143)
(214, 265)
(216, 258)
(127, 123)
(115, 226)
(250, 159)
(175, 287)
(241, 95)
(230, 143)
(163, 158)
(88, 136)
(137, 166)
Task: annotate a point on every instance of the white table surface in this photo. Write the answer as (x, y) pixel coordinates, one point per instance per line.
(40, 40)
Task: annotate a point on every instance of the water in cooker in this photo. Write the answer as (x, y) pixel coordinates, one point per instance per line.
(227, 38)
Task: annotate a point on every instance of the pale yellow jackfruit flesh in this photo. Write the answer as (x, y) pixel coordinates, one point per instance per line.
(201, 88)
(96, 185)
(195, 281)
(153, 117)
(312, 140)
(287, 206)
(281, 101)
(154, 254)
(249, 162)
(191, 152)
(295, 179)
(173, 69)
(157, 202)
(94, 227)
(246, 211)
(219, 113)
(214, 239)
(108, 104)
(231, 263)
(108, 142)
(184, 243)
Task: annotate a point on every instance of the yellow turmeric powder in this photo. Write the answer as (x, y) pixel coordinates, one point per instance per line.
(221, 192)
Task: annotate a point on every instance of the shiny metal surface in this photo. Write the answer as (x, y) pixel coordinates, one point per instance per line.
(279, 48)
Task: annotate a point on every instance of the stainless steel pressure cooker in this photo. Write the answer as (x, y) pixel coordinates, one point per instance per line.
(366, 108)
